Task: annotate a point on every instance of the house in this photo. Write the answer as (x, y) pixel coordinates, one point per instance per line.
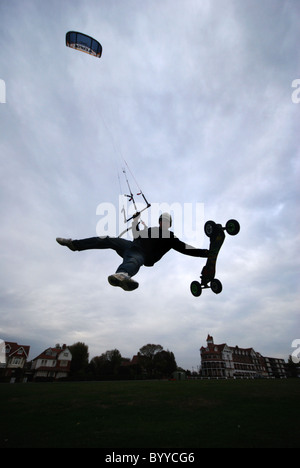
(52, 364)
(13, 360)
(223, 361)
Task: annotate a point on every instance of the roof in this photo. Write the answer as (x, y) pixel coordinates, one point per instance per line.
(238, 353)
(14, 348)
(128, 362)
(213, 348)
(50, 353)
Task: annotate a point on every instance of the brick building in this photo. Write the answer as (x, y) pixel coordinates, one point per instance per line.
(223, 361)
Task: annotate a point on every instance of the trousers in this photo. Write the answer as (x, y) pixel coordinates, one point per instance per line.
(133, 257)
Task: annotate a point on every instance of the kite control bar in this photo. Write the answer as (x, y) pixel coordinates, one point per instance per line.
(138, 212)
(131, 197)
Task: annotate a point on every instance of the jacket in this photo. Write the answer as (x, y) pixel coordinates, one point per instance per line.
(155, 243)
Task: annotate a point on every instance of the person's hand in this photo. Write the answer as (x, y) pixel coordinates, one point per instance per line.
(136, 216)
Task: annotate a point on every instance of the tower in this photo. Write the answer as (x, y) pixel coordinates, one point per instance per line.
(209, 340)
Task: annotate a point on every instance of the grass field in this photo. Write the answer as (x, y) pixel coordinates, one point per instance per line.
(148, 414)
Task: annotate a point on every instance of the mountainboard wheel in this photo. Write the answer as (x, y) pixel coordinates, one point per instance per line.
(232, 227)
(196, 289)
(209, 228)
(216, 286)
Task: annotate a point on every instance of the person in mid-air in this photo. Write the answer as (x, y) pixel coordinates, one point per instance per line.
(148, 247)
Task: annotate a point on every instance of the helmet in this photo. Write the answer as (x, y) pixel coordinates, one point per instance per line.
(166, 217)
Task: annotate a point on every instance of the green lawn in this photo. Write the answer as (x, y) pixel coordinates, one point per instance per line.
(148, 414)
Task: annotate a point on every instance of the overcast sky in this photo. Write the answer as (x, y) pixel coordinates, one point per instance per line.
(196, 96)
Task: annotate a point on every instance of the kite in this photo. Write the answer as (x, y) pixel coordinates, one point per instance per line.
(84, 43)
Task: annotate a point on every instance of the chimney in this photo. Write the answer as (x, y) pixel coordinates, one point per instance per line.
(209, 339)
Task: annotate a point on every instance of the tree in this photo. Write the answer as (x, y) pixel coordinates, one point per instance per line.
(95, 369)
(149, 350)
(146, 356)
(164, 364)
(80, 361)
(156, 361)
(114, 359)
(106, 366)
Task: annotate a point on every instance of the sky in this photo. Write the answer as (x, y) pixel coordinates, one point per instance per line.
(197, 97)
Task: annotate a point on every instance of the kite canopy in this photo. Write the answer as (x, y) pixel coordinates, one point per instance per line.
(84, 43)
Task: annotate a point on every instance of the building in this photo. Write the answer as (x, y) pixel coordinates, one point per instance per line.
(275, 367)
(52, 364)
(13, 360)
(223, 361)
(216, 360)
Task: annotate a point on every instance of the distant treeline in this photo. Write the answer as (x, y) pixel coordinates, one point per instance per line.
(151, 362)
